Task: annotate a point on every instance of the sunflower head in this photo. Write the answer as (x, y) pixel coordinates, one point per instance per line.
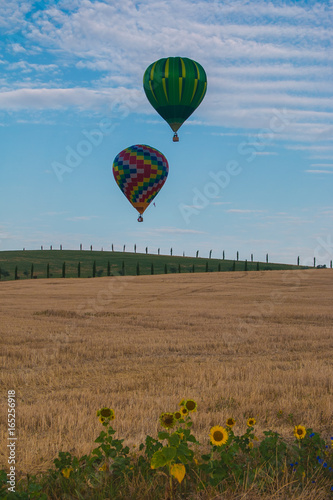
(191, 405)
(230, 422)
(67, 472)
(105, 414)
(218, 435)
(178, 415)
(299, 431)
(251, 422)
(184, 411)
(167, 420)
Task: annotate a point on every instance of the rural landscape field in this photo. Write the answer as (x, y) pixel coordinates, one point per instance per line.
(241, 344)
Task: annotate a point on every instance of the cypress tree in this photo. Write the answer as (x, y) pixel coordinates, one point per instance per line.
(79, 270)
(298, 261)
(64, 270)
(245, 267)
(109, 269)
(210, 254)
(158, 251)
(314, 261)
(32, 271)
(237, 255)
(94, 269)
(48, 270)
(16, 275)
(193, 268)
(234, 266)
(123, 268)
(134, 247)
(197, 254)
(267, 258)
(146, 250)
(171, 251)
(251, 257)
(206, 267)
(223, 255)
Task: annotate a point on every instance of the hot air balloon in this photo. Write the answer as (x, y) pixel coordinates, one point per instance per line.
(140, 172)
(175, 87)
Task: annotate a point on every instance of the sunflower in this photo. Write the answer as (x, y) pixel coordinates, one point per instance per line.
(191, 405)
(218, 435)
(251, 422)
(66, 472)
(178, 415)
(107, 413)
(230, 422)
(250, 445)
(167, 420)
(299, 431)
(182, 402)
(103, 467)
(184, 411)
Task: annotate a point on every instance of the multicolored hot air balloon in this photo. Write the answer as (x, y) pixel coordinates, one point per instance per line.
(140, 172)
(175, 87)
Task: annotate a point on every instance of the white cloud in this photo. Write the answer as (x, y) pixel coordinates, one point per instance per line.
(243, 211)
(319, 171)
(174, 230)
(82, 217)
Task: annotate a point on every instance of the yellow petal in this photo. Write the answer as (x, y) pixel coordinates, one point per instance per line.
(178, 471)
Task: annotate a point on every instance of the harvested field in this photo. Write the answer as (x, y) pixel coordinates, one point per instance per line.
(241, 344)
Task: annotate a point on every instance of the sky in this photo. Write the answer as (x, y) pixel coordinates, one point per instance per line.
(253, 170)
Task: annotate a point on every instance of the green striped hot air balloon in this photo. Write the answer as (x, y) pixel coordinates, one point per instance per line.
(175, 86)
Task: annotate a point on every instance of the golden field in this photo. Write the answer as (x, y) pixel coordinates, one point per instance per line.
(257, 344)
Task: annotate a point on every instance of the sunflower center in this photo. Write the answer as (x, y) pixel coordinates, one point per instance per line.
(299, 432)
(190, 405)
(106, 413)
(168, 420)
(218, 436)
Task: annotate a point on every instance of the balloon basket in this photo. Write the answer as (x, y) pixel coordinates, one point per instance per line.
(140, 218)
(175, 138)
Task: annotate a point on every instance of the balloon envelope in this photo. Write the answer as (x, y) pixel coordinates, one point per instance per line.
(175, 87)
(140, 172)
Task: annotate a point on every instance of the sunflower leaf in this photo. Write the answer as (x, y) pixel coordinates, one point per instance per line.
(178, 471)
(163, 435)
(169, 453)
(158, 460)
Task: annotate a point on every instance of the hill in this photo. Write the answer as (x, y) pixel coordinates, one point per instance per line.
(114, 263)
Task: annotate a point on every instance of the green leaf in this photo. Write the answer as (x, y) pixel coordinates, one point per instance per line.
(163, 435)
(174, 440)
(158, 460)
(169, 453)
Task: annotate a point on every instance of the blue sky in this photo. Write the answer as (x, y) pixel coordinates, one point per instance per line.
(253, 170)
